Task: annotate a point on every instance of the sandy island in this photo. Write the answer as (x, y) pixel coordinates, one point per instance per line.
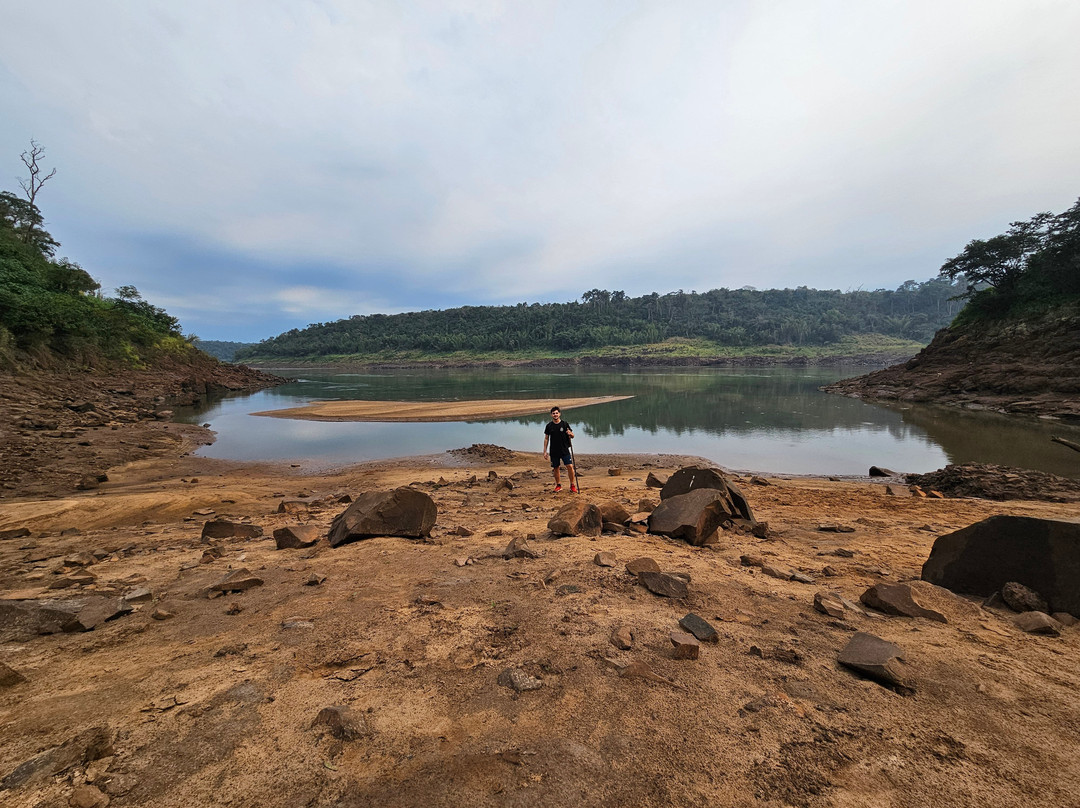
(430, 410)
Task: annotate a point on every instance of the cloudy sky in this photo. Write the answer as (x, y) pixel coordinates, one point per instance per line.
(259, 165)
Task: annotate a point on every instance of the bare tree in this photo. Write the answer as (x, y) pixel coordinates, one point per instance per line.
(32, 184)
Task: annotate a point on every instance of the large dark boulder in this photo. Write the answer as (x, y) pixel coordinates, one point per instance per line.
(692, 478)
(401, 512)
(693, 517)
(980, 559)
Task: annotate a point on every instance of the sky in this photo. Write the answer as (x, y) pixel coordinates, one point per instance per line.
(254, 166)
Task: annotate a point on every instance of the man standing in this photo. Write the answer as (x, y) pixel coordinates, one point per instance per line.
(560, 435)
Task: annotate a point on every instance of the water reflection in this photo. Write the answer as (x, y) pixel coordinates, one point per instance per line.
(771, 419)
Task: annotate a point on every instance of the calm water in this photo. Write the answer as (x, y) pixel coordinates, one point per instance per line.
(756, 419)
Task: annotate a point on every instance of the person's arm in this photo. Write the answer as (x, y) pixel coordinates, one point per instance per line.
(546, 438)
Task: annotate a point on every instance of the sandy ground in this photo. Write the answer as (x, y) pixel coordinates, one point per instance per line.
(428, 410)
(216, 704)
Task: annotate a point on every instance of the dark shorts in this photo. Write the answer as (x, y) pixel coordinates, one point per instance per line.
(566, 459)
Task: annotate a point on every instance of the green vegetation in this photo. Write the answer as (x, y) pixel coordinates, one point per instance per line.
(220, 349)
(1035, 265)
(52, 308)
(721, 322)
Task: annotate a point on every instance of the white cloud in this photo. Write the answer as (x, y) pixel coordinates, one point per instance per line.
(497, 151)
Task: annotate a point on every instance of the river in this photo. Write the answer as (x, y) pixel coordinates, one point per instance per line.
(772, 419)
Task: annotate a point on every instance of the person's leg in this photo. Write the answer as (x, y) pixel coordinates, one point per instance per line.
(555, 471)
(573, 477)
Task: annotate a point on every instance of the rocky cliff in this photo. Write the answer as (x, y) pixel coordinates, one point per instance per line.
(1026, 366)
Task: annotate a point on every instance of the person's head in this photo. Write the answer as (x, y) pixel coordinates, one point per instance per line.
(555, 414)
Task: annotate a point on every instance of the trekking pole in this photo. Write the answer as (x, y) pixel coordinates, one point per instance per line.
(573, 462)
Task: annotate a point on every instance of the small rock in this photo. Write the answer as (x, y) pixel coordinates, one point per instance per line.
(297, 622)
(878, 471)
(239, 580)
(832, 527)
(686, 645)
(875, 658)
(801, 577)
(461, 530)
(162, 614)
(898, 490)
(652, 481)
(88, 797)
(296, 536)
(664, 584)
(897, 599)
(1021, 598)
(781, 573)
(9, 676)
(643, 564)
(224, 529)
(700, 628)
(1065, 618)
(140, 595)
(315, 579)
(519, 548)
(343, 722)
(604, 559)
(516, 679)
(614, 472)
(622, 638)
(829, 604)
(234, 608)
(1038, 623)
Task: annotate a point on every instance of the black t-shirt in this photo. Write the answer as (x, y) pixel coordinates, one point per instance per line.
(560, 441)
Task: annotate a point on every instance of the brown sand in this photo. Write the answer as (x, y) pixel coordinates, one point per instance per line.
(429, 410)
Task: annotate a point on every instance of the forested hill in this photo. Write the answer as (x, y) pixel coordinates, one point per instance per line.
(726, 318)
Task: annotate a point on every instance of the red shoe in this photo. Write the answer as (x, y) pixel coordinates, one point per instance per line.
(558, 488)
(573, 489)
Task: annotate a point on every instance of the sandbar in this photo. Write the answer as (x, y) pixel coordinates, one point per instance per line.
(420, 411)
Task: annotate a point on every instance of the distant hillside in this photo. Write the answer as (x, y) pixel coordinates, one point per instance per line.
(220, 349)
(1016, 346)
(739, 319)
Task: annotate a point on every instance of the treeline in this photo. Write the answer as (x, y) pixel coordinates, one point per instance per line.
(1032, 266)
(738, 318)
(220, 349)
(52, 308)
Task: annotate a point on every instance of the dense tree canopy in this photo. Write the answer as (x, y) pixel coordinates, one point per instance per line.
(1034, 264)
(728, 317)
(52, 306)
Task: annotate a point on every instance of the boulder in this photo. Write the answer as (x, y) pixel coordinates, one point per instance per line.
(693, 517)
(577, 518)
(296, 536)
(691, 478)
(14, 533)
(239, 580)
(875, 658)
(400, 512)
(1042, 554)
(23, 619)
(652, 481)
(91, 744)
(605, 558)
(897, 599)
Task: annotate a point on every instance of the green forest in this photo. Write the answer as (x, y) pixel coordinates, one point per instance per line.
(52, 309)
(720, 318)
(1033, 266)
